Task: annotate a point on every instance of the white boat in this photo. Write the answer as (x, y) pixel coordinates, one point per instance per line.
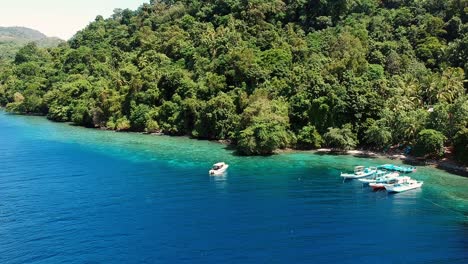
(381, 184)
(380, 179)
(401, 187)
(360, 172)
(219, 168)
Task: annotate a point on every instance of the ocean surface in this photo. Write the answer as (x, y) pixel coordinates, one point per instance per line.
(75, 195)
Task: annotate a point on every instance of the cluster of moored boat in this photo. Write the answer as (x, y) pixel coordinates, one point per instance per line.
(386, 177)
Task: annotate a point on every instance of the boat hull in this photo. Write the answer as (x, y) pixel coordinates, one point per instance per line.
(367, 181)
(402, 187)
(357, 176)
(377, 186)
(392, 167)
(220, 171)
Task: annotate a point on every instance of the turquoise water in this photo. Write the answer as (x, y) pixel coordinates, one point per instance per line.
(75, 195)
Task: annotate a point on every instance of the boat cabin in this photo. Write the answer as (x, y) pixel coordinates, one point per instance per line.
(218, 166)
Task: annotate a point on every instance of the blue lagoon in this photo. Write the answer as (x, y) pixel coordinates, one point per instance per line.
(75, 195)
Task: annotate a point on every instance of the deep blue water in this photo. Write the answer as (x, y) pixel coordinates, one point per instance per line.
(75, 195)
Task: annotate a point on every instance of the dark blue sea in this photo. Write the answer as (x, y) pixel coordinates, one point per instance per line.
(76, 195)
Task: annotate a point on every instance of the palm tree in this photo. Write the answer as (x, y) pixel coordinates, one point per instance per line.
(451, 85)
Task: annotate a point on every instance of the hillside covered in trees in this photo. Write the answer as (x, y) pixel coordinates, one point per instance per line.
(264, 74)
(13, 38)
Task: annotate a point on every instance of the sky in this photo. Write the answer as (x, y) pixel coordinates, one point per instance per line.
(59, 18)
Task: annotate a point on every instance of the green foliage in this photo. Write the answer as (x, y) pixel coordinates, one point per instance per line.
(139, 117)
(262, 139)
(460, 145)
(122, 124)
(13, 38)
(449, 118)
(58, 113)
(81, 115)
(170, 118)
(218, 118)
(264, 125)
(430, 143)
(262, 74)
(309, 138)
(378, 137)
(340, 138)
(31, 104)
(151, 126)
(404, 125)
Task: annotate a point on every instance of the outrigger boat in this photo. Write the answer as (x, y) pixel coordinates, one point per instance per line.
(381, 178)
(392, 167)
(402, 187)
(360, 172)
(381, 184)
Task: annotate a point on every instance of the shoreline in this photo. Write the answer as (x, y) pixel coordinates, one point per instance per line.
(443, 164)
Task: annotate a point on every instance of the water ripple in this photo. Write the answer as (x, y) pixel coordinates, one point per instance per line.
(74, 195)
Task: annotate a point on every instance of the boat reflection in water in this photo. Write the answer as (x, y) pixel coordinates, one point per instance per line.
(220, 181)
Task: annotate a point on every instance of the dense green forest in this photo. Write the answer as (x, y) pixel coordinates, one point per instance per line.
(13, 38)
(263, 74)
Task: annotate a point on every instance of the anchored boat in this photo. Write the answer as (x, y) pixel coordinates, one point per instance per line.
(392, 167)
(360, 172)
(381, 178)
(381, 184)
(402, 187)
(219, 168)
